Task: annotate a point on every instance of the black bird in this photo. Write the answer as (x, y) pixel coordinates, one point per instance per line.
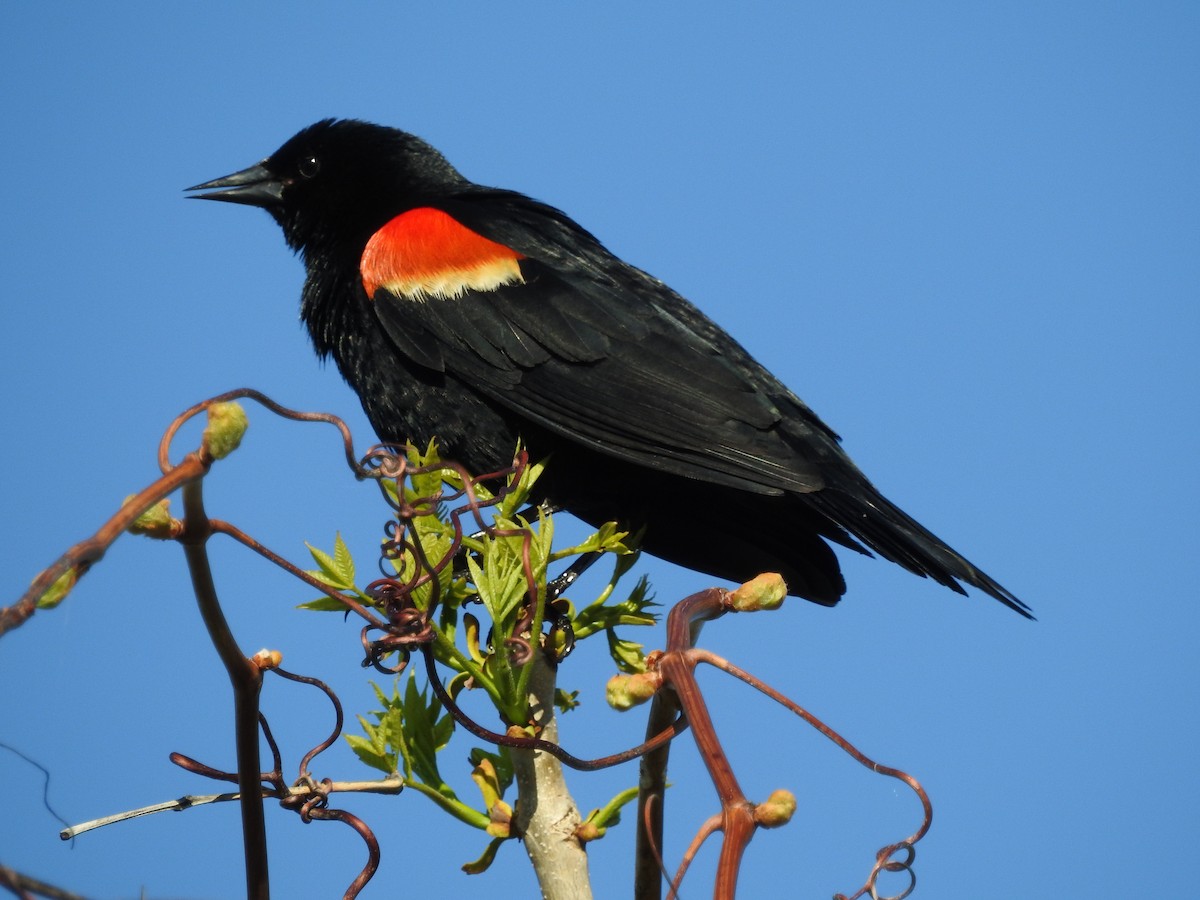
(480, 316)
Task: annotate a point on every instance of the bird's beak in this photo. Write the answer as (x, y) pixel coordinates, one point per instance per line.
(255, 186)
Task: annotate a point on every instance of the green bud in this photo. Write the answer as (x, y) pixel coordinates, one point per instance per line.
(765, 591)
(777, 810)
(627, 691)
(155, 522)
(57, 592)
(589, 831)
(226, 424)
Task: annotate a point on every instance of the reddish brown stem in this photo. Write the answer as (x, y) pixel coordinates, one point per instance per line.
(88, 552)
(246, 679)
(220, 526)
(164, 446)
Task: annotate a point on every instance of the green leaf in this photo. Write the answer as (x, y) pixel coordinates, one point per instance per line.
(608, 539)
(626, 654)
(482, 864)
(518, 498)
(423, 736)
(409, 726)
(370, 754)
(610, 814)
(323, 604)
(501, 763)
(634, 610)
(484, 776)
(424, 489)
(342, 560)
(376, 747)
(501, 583)
(337, 570)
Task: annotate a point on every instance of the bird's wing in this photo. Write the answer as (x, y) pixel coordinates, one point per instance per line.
(594, 350)
(549, 325)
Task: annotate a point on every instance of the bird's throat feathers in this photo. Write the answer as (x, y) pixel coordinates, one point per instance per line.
(425, 254)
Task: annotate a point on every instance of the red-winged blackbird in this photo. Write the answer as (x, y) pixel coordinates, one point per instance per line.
(480, 316)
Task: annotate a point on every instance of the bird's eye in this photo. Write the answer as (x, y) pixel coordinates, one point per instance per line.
(309, 166)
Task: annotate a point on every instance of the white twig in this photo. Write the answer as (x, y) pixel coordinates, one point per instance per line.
(390, 785)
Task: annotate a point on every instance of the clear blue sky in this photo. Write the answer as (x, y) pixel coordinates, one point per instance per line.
(968, 237)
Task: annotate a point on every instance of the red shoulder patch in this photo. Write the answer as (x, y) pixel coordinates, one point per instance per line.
(426, 254)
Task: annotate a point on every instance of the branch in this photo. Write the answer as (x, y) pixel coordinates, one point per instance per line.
(73, 564)
(391, 785)
(547, 818)
(25, 886)
(246, 679)
(675, 670)
(884, 858)
(652, 788)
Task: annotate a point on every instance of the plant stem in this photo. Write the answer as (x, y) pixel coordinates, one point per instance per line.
(546, 815)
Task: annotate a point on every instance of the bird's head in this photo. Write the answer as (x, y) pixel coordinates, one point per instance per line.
(338, 181)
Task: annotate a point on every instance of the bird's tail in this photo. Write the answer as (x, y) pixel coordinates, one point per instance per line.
(887, 530)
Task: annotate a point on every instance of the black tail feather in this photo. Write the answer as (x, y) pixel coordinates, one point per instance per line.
(893, 534)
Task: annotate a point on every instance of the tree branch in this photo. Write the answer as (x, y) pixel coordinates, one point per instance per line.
(246, 679)
(546, 816)
(391, 785)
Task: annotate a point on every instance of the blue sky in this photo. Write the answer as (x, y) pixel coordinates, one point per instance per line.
(969, 237)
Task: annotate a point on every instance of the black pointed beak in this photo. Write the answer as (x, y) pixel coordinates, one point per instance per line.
(255, 186)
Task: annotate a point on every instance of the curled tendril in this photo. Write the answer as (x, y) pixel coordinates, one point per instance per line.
(385, 461)
(318, 800)
(885, 863)
(374, 659)
(408, 627)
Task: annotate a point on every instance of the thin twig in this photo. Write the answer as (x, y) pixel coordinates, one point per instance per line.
(220, 526)
(884, 858)
(87, 553)
(710, 827)
(164, 446)
(372, 865)
(392, 785)
(25, 887)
